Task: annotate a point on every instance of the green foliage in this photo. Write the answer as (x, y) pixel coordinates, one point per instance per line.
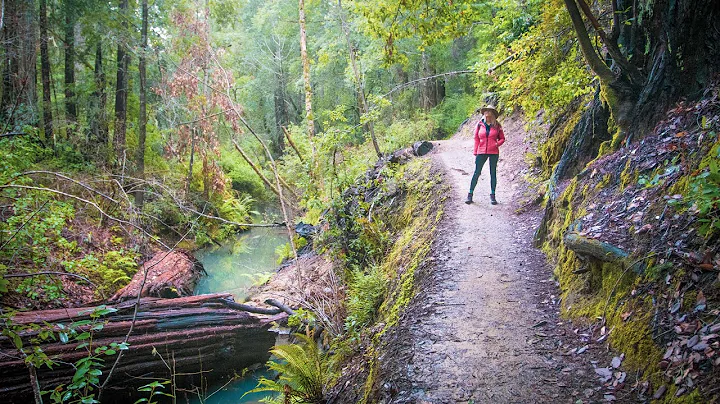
(26, 338)
(110, 271)
(430, 21)
(285, 251)
(366, 290)
(153, 389)
(302, 373)
(705, 195)
(453, 111)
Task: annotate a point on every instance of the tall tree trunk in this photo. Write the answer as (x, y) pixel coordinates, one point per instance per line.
(143, 107)
(358, 79)
(121, 92)
(193, 136)
(45, 72)
(70, 101)
(306, 73)
(98, 120)
(281, 110)
(20, 70)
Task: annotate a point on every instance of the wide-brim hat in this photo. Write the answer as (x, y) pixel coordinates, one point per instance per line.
(490, 108)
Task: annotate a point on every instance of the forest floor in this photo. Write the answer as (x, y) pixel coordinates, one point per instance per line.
(486, 325)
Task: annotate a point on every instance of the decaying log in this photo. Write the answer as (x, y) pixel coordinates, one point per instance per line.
(189, 333)
(417, 149)
(594, 248)
(422, 148)
(170, 275)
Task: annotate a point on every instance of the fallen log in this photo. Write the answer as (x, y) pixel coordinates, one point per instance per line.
(594, 248)
(186, 334)
(169, 275)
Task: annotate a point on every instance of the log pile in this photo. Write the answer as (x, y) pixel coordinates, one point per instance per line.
(169, 275)
(189, 334)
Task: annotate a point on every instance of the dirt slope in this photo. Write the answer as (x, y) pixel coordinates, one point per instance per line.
(485, 326)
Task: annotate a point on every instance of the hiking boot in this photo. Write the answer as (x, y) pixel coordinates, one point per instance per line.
(492, 199)
(469, 199)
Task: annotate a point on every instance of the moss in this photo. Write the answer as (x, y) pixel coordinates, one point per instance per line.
(693, 397)
(553, 148)
(414, 226)
(604, 182)
(605, 148)
(628, 175)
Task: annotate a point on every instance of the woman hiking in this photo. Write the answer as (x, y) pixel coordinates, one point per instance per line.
(489, 137)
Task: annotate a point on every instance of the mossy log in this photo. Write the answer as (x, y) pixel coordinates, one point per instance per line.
(602, 251)
(191, 334)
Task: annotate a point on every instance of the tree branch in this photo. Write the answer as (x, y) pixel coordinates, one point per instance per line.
(410, 83)
(592, 58)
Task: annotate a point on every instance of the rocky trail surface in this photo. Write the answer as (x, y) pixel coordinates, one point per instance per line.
(485, 327)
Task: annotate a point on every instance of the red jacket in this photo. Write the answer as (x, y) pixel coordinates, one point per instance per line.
(488, 143)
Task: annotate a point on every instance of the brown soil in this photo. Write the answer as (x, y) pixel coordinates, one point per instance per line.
(485, 326)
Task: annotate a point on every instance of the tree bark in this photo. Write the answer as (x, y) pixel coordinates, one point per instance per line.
(282, 117)
(292, 144)
(358, 80)
(45, 72)
(98, 121)
(71, 112)
(594, 248)
(193, 136)
(121, 88)
(142, 130)
(20, 71)
(619, 92)
(306, 72)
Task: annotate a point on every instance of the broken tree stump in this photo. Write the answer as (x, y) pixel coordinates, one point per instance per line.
(191, 334)
(170, 274)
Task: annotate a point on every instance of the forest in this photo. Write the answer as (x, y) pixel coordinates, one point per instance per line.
(141, 140)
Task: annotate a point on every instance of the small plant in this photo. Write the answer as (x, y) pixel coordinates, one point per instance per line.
(154, 389)
(86, 380)
(284, 252)
(365, 294)
(302, 373)
(705, 197)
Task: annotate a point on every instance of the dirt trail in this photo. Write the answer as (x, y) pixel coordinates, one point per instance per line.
(485, 328)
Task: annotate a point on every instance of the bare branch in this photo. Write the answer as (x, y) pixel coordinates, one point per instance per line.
(412, 82)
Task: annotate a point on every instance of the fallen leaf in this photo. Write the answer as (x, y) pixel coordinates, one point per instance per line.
(604, 373)
(616, 361)
(674, 309)
(668, 352)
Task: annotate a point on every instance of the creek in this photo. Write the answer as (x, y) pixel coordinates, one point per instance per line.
(234, 267)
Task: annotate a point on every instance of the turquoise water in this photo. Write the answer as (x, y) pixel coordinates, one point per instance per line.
(240, 263)
(233, 393)
(234, 267)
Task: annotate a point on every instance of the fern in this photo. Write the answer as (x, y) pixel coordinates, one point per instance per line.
(302, 373)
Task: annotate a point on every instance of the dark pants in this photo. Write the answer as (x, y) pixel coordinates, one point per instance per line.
(480, 160)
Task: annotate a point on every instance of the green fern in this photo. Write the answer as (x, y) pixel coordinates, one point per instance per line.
(302, 373)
